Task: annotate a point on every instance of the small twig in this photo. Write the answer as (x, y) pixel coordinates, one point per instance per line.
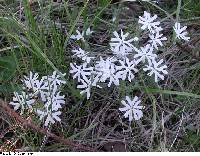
(20, 10)
(7, 130)
(28, 124)
(154, 124)
(45, 139)
(8, 48)
(179, 128)
(189, 47)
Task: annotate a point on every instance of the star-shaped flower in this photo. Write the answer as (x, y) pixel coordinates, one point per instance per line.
(22, 100)
(56, 100)
(49, 116)
(132, 108)
(156, 39)
(120, 45)
(126, 69)
(54, 81)
(149, 23)
(156, 68)
(79, 36)
(30, 80)
(80, 53)
(181, 32)
(106, 69)
(81, 71)
(87, 84)
(36, 86)
(88, 31)
(50, 112)
(144, 53)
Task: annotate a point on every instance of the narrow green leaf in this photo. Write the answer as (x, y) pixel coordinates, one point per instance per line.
(7, 68)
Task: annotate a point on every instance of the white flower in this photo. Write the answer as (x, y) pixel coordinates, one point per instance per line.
(51, 117)
(88, 32)
(56, 100)
(22, 100)
(55, 80)
(42, 88)
(120, 53)
(80, 72)
(87, 84)
(106, 70)
(156, 39)
(157, 69)
(148, 22)
(50, 111)
(119, 45)
(144, 53)
(126, 69)
(80, 53)
(35, 86)
(79, 36)
(31, 80)
(181, 32)
(132, 108)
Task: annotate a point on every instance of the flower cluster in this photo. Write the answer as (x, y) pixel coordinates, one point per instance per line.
(42, 96)
(147, 54)
(127, 58)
